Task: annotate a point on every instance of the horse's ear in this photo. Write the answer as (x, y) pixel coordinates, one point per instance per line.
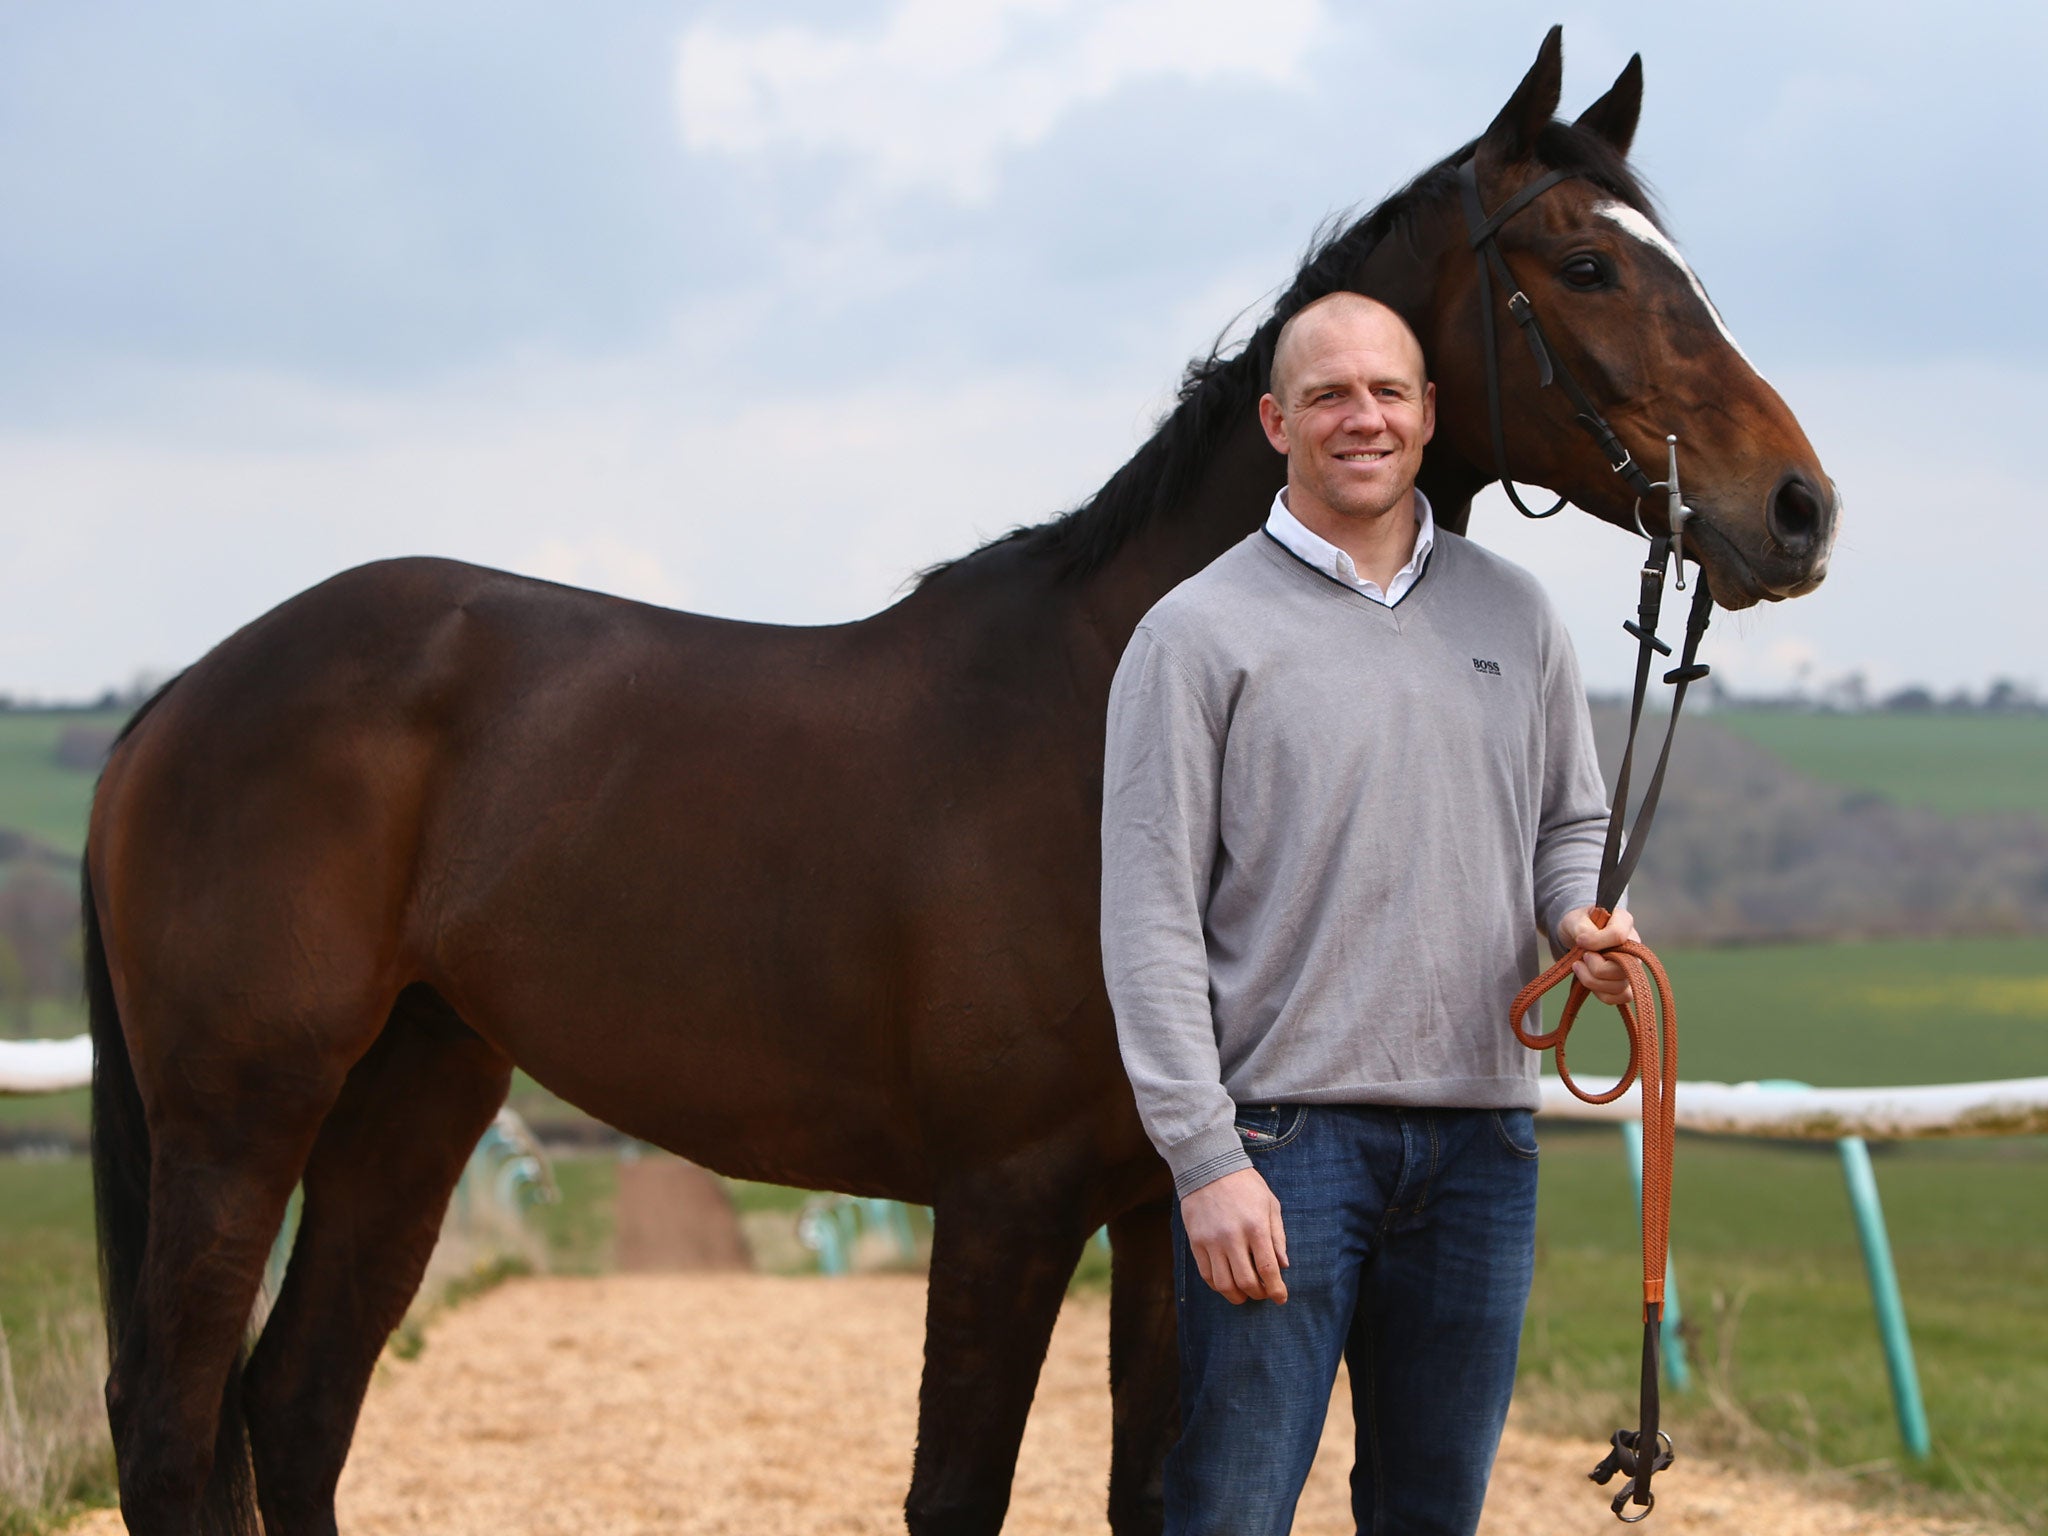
(1512, 135)
(1613, 116)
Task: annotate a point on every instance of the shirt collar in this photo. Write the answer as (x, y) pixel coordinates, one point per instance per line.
(1332, 561)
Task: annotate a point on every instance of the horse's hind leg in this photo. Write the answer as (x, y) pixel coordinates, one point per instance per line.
(230, 1129)
(376, 1189)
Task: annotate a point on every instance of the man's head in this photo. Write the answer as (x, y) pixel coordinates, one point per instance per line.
(1351, 406)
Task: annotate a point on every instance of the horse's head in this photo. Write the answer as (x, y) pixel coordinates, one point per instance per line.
(1624, 315)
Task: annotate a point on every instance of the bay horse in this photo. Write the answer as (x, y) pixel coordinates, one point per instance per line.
(809, 905)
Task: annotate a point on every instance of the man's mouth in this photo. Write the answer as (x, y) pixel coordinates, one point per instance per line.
(1364, 455)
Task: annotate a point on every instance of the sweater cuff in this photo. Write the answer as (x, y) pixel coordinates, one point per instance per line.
(1204, 1158)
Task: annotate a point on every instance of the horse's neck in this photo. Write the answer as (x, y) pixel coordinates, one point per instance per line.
(1229, 501)
(1450, 486)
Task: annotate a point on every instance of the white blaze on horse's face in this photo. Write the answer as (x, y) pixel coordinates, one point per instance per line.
(1636, 224)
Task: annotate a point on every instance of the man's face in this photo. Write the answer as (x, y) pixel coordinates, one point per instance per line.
(1353, 411)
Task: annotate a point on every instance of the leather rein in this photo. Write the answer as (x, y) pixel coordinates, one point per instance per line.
(1650, 1016)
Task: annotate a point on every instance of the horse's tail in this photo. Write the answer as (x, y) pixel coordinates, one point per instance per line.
(120, 1186)
(120, 1137)
(120, 1134)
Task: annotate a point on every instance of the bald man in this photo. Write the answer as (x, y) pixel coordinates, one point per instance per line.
(1349, 776)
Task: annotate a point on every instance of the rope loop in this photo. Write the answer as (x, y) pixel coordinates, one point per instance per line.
(1650, 1019)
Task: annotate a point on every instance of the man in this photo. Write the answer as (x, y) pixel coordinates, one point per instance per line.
(1349, 773)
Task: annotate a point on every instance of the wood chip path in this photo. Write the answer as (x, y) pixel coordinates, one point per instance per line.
(732, 1405)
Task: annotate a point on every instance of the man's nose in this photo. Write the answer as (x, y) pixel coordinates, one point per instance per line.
(1366, 416)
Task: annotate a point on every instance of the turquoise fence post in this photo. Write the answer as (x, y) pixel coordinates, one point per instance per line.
(1884, 1296)
(1677, 1369)
(1861, 1180)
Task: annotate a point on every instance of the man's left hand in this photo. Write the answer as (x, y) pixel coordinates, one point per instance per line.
(1603, 977)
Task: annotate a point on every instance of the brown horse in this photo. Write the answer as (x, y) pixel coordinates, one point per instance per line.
(815, 906)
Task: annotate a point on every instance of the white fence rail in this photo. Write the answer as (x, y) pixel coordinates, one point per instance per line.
(2015, 1107)
(45, 1066)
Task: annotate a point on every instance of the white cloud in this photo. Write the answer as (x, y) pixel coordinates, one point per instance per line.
(937, 95)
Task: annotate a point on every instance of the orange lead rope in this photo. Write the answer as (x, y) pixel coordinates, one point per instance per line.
(1651, 1020)
(1650, 1016)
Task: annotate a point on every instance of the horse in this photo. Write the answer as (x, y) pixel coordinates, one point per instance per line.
(809, 905)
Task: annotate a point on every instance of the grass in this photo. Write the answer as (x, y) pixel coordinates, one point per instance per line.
(1850, 1015)
(58, 1117)
(54, 1457)
(1778, 1311)
(1950, 763)
(37, 796)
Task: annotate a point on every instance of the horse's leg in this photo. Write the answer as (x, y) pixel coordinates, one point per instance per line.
(1144, 1368)
(1003, 1249)
(231, 1127)
(376, 1187)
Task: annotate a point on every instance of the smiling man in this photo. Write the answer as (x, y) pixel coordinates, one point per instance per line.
(1349, 777)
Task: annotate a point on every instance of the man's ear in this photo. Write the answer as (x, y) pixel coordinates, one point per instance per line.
(1274, 423)
(1511, 138)
(1613, 116)
(1429, 410)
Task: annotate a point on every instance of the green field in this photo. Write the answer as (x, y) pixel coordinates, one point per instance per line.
(1950, 763)
(38, 797)
(1849, 1015)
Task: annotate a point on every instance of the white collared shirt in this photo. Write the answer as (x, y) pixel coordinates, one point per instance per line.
(1334, 562)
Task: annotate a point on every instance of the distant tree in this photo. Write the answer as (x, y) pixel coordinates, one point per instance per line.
(1910, 701)
(83, 748)
(2006, 697)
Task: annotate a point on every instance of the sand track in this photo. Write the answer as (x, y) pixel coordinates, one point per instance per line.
(734, 1405)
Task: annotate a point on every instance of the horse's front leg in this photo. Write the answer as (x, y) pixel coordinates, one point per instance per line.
(1144, 1367)
(1004, 1245)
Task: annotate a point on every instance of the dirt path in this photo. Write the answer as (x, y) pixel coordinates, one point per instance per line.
(719, 1405)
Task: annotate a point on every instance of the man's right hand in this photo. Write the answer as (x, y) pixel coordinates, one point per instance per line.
(1233, 1226)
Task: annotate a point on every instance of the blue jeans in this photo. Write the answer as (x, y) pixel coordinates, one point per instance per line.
(1410, 1240)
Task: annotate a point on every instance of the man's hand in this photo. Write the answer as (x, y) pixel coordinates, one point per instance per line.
(1603, 977)
(1233, 1226)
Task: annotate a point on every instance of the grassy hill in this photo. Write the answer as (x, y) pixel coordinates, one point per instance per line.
(1957, 764)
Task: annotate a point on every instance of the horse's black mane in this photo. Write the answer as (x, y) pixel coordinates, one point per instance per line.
(1218, 390)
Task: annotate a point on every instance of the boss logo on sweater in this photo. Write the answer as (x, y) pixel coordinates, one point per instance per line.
(1490, 668)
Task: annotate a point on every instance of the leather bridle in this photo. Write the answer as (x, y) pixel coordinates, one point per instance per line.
(1650, 1018)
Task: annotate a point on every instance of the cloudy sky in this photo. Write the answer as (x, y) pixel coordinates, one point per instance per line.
(754, 310)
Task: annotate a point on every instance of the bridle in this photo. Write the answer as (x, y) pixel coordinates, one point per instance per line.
(1646, 1449)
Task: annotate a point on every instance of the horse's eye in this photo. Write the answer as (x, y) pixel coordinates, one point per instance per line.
(1585, 272)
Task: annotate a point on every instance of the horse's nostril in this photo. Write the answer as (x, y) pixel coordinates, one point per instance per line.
(1798, 516)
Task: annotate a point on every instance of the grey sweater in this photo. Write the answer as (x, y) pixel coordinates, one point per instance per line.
(1330, 832)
